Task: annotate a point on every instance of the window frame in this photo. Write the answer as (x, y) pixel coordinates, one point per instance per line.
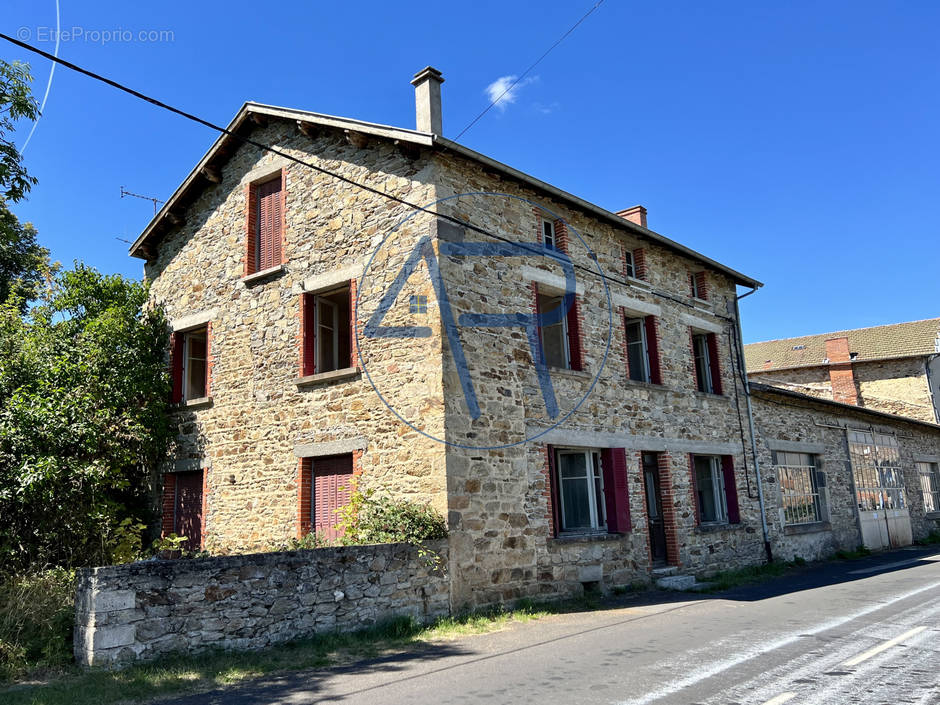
(788, 465)
(312, 303)
(253, 245)
(719, 491)
(643, 343)
(703, 371)
(549, 234)
(629, 264)
(561, 325)
(593, 478)
(879, 482)
(929, 474)
(188, 336)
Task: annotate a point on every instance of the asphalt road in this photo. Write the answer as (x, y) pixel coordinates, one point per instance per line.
(851, 632)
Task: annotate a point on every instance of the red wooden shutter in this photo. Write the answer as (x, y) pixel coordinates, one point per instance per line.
(731, 489)
(251, 229)
(700, 283)
(176, 367)
(189, 508)
(616, 491)
(713, 363)
(639, 263)
(270, 212)
(694, 485)
(554, 503)
(332, 487)
(353, 350)
(168, 521)
(694, 363)
(304, 493)
(308, 333)
(574, 337)
(652, 347)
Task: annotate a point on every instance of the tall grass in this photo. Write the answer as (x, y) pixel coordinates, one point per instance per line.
(36, 617)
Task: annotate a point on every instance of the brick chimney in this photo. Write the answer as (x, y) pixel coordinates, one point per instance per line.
(427, 83)
(636, 214)
(841, 372)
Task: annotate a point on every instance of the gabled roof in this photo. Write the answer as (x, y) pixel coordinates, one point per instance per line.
(913, 339)
(251, 114)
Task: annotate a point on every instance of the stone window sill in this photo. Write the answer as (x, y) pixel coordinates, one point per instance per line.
(198, 403)
(585, 538)
(816, 526)
(697, 300)
(723, 526)
(640, 283)
(331, 376)
(255, 277)
(932, 515)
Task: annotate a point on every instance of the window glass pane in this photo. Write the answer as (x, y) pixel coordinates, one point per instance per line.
(548, 234)
(702, 373)
(600, 506)
(631, 268)
(705, 490)
(553, 337)
(636, 351)
(879, 481)
(326, 335)
(196, 364)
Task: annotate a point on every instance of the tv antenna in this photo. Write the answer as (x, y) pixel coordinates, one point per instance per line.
(125, 192)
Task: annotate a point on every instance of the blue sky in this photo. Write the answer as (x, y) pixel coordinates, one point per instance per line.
(796, 142)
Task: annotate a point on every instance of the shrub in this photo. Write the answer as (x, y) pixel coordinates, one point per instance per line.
(36, 618)
(371, 519)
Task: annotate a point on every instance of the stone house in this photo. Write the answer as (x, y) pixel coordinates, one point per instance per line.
(353, 302)
(893, 368)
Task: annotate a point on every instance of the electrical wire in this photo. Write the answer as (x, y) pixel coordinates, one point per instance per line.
(537, 251)
(526, 72)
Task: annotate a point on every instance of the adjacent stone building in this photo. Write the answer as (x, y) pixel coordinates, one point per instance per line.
(893, 368)
(355, 303)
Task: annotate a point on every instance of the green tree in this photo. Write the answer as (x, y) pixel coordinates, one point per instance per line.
(24, 264)
(84, 423)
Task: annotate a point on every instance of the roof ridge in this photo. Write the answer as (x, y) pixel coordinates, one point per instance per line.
(845, 330)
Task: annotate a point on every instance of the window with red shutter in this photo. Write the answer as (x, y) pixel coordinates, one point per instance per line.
(268, 207)
(176, 367)
(616, 492)
(331, 488)
(652, 348)
(714, 366)
(731, 489)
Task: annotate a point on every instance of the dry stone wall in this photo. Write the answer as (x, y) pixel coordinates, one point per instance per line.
(139, 611)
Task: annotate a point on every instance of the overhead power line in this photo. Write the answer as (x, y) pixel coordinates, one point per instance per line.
(537, 251)
(526, 72)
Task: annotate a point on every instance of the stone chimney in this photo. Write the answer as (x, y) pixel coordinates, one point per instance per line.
(841, 372)
(637, 215)
(427, 83)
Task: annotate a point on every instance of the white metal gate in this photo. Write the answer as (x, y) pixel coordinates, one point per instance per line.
(879, 487)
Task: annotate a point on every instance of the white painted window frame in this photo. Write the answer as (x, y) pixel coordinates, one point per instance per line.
(594, 479)
(719, 495)
(642, 342)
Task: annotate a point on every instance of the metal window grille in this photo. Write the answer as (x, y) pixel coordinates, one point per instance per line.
(930, 486)
(796, 473)
(876, 463)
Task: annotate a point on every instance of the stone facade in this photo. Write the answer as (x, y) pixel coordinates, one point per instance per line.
(143, 610)
(899, 386)
(245, 437)
(789, 424)
(501, 495)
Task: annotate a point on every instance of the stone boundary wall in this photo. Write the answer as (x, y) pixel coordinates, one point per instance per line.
(139, 611)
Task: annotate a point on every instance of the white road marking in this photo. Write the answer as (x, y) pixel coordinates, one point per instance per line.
(721, 666)
(780, 699)
(884, 647)
(898, 564)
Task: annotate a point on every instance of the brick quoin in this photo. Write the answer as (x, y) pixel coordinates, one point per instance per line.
(204, 511)
(250, 257)
(210, 362)
(641, 483)
(538, 224)
(353, 327)
(561, 235)
(639, 263)
(547, 491)
(304, 494)
(669, 508)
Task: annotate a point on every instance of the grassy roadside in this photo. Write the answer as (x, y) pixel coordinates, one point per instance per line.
(194, 673)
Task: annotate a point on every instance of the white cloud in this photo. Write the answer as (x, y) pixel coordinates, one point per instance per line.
(499, 91)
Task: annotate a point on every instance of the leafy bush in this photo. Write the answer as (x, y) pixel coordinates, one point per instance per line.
(36, 617)
(371, 519)
(84, 393)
